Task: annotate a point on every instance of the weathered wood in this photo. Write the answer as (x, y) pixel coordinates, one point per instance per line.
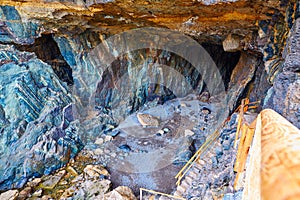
(242, 154)
(274, 169)
(280, 157)
(252, 180)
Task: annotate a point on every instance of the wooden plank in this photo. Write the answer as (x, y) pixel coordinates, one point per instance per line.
(280, 157)
(252, 181)
(273, 172)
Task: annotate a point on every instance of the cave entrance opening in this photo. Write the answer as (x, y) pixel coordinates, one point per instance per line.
(184, 121)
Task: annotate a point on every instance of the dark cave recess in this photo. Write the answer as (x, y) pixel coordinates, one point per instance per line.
(145, 92)
(47, 50)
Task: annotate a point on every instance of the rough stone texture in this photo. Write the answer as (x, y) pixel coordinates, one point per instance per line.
(9, 195)
(232, 43)
(120, 193)
(35, 106)
(37, 132)
(14, 29)
(284, 96)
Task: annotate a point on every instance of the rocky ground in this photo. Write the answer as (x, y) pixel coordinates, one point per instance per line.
(149, 156)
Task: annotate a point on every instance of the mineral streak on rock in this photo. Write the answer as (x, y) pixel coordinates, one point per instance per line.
(38, 132)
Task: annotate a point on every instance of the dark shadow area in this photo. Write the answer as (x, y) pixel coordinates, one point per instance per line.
(47, 50)
(225, 61)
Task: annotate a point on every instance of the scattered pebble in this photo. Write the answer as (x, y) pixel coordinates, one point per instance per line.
(34, 182)
(108, 138)
(166, 130)
(125, 148)
(98, 151)
(99, 141)
(38, 193)
(25, 193)
(188, 132)
(72, 171)
(160, 132)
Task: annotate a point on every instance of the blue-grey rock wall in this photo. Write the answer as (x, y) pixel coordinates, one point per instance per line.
(13, 29)
(38, 131)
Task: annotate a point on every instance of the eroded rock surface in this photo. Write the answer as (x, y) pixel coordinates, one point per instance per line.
(284, 96)
(44, 121)
(38, 129)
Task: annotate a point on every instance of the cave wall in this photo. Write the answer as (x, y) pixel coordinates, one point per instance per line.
(40, 108)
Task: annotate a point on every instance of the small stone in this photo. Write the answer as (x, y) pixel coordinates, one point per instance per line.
(67, 193)
(34, 182)
(99, 141)
(147, 120)
(113, 155)
(114, 133)
(125, 148)
(24, 193)
(51, 181)
(9, 195)
(166, 130)
(38, 193)
(46, 197)
(72, 171)
(63, 183)
(160, 132)
(232, 43)
(204, 96)
(183, 104)
(214, 162)
(201, 162)
(94, 171)
(188, 132)
(120, 193)
(106, 151)
(108, 138)
(98, 151)
(226, 145)
(219, 151)
(206, 111)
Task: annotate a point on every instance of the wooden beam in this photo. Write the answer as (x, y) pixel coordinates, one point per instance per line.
(274, 168)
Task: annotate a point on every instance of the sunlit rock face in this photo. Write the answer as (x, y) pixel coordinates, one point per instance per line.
(46, 95)
(13, 29)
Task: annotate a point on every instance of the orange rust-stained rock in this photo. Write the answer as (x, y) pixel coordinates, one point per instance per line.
(190, 17)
